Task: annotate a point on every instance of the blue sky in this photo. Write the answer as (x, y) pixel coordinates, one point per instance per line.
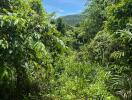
(64, 7)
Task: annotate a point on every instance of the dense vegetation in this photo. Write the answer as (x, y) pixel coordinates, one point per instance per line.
(46, 59)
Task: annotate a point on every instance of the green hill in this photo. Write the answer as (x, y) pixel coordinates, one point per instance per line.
(72, 19)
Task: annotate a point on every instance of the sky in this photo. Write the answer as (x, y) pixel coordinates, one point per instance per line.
(64, 7)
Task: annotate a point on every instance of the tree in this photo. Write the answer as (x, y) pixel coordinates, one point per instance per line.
(24, 49)
(60, 26)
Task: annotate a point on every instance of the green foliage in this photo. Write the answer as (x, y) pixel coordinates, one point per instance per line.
(112, 47)
(60, 25)
(45, 59)
(79, 80)
(121, 86)
(25, 32)
(95, 16)
(119, 15)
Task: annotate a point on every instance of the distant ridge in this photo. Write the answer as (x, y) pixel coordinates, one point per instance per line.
(73, 20)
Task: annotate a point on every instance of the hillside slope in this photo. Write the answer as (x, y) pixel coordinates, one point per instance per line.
(72, 19)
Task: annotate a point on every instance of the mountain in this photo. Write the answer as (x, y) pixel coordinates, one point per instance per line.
(72, 20)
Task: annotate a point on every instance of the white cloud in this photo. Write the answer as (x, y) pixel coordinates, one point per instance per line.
(60, 10)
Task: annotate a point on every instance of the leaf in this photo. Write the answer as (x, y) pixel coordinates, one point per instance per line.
(16, 22)
(1, 23)
(40, 49)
